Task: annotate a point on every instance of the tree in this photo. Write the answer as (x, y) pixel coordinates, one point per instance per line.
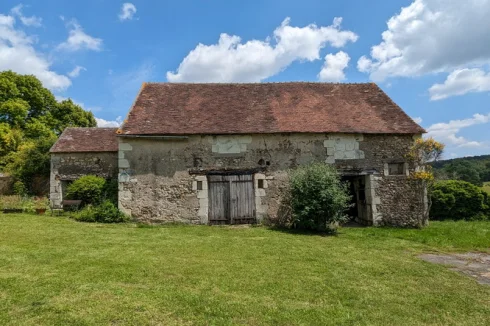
(422, 154)
(30, 121)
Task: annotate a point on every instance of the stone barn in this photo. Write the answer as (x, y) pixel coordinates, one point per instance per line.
(220, 153)
(79, 152)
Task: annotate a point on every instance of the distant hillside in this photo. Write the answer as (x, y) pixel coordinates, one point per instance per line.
(474, 169)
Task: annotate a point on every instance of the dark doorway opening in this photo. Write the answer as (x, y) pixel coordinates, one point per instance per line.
(357, 189)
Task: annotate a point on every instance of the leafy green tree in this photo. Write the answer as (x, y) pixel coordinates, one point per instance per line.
(456, 199)
(30, 121)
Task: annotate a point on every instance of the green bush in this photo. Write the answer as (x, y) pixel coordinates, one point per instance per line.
(459, 200)
(89, 189)
(106, 212)
(319, 199)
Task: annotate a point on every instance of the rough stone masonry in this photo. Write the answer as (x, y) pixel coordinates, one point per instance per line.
(220, 153)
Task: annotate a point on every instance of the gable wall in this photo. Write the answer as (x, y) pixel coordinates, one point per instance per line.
(156, 186)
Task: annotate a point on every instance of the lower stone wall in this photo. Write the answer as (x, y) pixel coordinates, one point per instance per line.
(71, 166)
(158, 177)
(160, 199)
(403, 201)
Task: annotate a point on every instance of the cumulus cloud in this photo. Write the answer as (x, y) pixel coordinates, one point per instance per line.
(447, 132)
(17, 53)
(333, 68)
(230, 60)
(431, 36)
(460, 82)
(127, 11)
(27, 21)
(78, 39)
(101, 123)
(76, 71)
(417, 120)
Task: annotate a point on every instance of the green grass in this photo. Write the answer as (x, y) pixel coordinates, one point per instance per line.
(486, 186)
(54, 271)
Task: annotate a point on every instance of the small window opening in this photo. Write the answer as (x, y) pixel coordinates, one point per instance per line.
(199, 185)
(267, 163)
(396, 169)
(261, 162)
(260, 183)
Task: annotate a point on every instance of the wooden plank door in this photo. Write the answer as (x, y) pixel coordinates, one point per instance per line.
(231, 199)
(242, 199)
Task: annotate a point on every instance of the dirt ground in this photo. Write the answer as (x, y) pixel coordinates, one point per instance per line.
(474, 264)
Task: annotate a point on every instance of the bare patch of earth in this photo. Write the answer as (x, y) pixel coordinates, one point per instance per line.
(474, 264)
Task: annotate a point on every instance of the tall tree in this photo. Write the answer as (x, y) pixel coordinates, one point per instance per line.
(30, 121)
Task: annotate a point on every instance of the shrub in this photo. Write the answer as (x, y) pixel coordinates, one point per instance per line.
(319, 199)
(89, 189)
(110, 190)
(458, 200)
(19, 188)
(106, 212)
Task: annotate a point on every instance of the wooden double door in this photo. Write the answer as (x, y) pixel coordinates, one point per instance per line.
(231, 199)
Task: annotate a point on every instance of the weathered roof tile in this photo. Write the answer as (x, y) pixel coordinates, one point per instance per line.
(169, 108)
(86, 140)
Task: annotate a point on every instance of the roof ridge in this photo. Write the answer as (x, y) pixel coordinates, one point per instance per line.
(260, 83)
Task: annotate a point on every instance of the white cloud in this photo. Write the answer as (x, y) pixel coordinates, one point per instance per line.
(447, 132)
(417, 120)
(76, 71)
(232, 61)
(333, 68)
(431, 36)
(127, 11)
(101, 123)
(27, 21)
(18, 54)
(460, 82)
(78, 39)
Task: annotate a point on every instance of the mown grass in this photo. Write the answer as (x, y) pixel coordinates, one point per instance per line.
(54, 271)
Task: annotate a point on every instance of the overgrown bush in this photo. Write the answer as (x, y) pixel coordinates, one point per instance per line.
(459, 200)
(89, 189)
(319, 199)
(106, 212)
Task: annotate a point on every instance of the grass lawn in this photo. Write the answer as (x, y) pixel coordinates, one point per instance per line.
(486, 186)
(59, 272)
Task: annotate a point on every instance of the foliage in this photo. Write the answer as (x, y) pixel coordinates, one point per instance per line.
(110, 190)
(106, 212)
(17, 202)
(41, 202)
(11, 202)
(421, 155)
(455, 199)
(89, 189)
(475, 170)
(425, 151)
(319, 199)
(30, 121)
(19, 188)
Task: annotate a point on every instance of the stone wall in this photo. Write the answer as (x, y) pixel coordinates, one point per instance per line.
(158, 176)
(67, 167)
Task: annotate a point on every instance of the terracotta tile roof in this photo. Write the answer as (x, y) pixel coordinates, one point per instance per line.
(86, 140)
(168, 108)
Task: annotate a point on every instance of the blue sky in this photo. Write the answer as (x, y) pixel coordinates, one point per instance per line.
(431, 56)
